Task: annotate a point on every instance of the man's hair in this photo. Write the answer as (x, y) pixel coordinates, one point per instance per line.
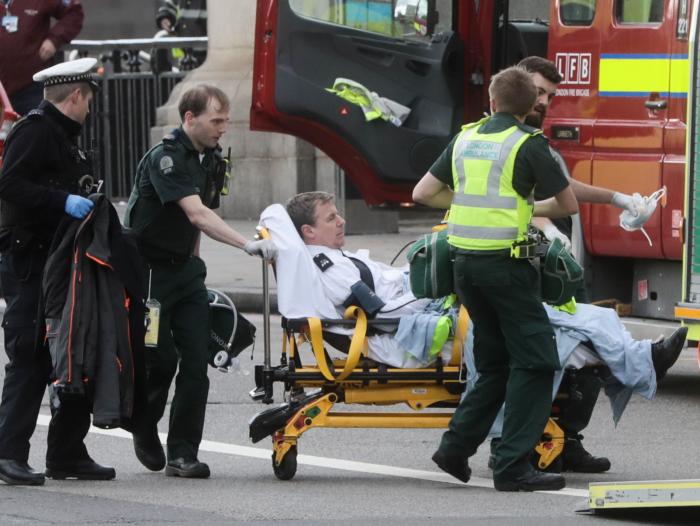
(60, 92)
(513, 91)
(544, 67)
(302, 208)
(197, 100)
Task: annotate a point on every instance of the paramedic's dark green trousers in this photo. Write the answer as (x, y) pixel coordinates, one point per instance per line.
(182, 347)
(515, 354)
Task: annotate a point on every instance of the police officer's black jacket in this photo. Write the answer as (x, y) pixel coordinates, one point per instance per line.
(93, 303)
(41, 166)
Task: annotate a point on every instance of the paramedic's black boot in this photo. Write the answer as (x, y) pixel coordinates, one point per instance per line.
(86, 469)
(191, 469)
(19, 473)
(577, 459)
(665, 353)
(455, 466)
(149, 451)
(523, 477)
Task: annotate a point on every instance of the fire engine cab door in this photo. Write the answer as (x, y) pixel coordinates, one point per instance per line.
(303, 46)
(639, 127)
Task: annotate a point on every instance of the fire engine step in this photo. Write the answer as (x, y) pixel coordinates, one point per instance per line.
(645, 494)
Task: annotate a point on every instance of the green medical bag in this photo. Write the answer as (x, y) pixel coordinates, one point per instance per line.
(430, 262)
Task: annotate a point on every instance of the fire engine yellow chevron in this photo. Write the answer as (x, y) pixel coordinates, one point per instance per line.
(637, 75)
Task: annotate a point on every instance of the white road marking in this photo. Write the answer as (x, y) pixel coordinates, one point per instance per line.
(327, 462)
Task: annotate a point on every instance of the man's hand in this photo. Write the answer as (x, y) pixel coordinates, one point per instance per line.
(551, 232)
(625, 202)
(47, 50)
(78, 207)
(264, 248)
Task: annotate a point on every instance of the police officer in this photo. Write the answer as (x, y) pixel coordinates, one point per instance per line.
(486, 177)
(39, 185)
(177, 185)
(184, 18)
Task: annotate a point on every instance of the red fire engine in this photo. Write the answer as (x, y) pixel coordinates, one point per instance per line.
(619, 117)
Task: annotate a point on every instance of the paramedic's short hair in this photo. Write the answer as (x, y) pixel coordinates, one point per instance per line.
(513, 91)
(197, 99)
(544, 67)
(60, 92)
(302, 208)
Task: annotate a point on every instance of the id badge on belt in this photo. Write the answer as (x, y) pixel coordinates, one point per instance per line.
(10, 23)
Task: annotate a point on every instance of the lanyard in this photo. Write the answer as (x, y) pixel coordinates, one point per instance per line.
(7, 3)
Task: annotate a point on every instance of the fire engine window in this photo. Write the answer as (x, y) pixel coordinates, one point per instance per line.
(639, 11)
(402, 19)
(577, 12)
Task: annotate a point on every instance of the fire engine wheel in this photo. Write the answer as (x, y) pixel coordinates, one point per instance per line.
(288, 467)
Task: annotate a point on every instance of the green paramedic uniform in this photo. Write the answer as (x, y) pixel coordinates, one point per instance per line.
(493, 166)
(170, 171)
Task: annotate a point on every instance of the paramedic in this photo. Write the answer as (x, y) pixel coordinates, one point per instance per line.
(514, 346)
(546, 78)
(177, 185)
(575, 417)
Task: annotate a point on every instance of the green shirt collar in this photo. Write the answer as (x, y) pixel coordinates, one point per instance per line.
(187, 143)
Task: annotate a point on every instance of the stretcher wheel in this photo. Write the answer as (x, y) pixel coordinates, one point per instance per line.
(288, 467)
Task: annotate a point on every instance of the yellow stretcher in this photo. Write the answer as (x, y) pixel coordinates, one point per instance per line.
(314, 390)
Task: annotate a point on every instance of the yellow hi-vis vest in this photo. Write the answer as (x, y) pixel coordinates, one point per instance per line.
(487, 213)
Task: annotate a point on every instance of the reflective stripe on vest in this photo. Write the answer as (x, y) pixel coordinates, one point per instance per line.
(487, 213)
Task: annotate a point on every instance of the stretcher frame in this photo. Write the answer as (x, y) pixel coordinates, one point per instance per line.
(352, 380)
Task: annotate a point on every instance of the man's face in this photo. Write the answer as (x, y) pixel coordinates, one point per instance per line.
(206, 129)
(329, 230)
(546, 90)
(82, 106)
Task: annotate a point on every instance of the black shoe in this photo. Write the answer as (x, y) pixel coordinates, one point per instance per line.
(149, 451)
(86, 469)
(492, 452)
(191, 469)
(455, 466)
(665, 353)
(527, 478)
(577, 459)
(19, 473)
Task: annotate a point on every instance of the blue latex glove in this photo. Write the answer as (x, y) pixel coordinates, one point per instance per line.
(78, 207)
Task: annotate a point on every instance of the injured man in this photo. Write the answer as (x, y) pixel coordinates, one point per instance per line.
(586, 340)
(315, 277)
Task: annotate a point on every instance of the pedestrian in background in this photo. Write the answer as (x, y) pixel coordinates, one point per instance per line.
(178, 183)
(28, 42)
(38, 187)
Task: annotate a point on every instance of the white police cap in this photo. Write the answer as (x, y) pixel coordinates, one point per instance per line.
(68, 72)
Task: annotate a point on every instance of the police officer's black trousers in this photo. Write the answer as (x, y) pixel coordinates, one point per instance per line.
(29, 370)
(515, 354)
(183, 341)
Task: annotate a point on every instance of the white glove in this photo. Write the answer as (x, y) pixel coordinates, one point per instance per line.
(625, 202)
(264, 248)
(644, 207)
(551, 232)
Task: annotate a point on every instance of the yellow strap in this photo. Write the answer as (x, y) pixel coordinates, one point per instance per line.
(460, 336)
(317, 346)
(357, 344)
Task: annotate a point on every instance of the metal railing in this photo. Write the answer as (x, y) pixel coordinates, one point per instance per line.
(136, 77)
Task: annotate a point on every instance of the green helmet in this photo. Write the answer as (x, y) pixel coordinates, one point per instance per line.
(561, 274)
